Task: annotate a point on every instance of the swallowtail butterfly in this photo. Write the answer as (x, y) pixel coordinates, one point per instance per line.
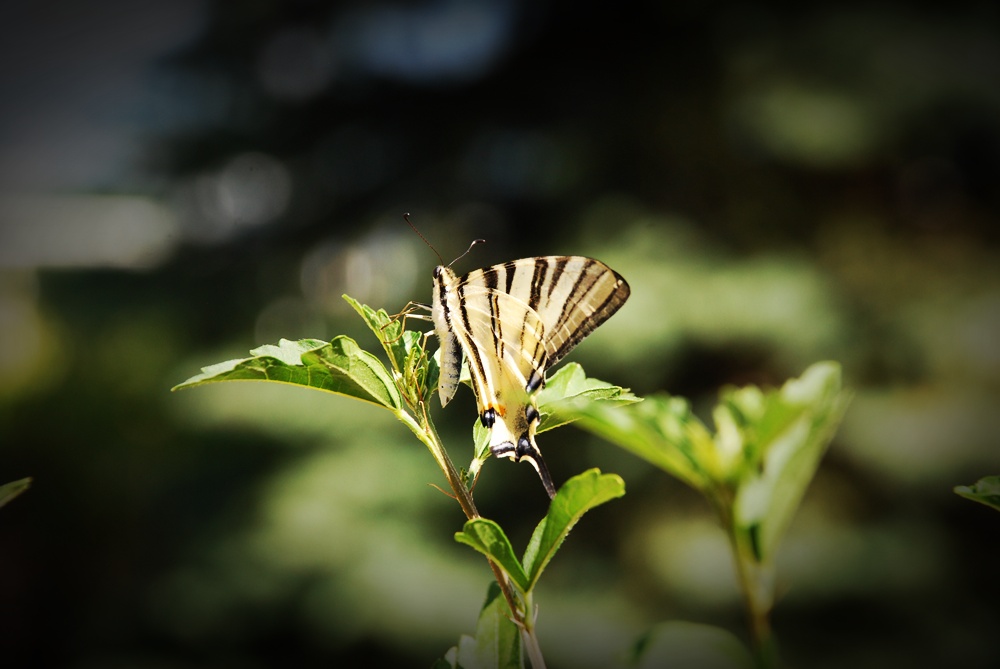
(512, 322)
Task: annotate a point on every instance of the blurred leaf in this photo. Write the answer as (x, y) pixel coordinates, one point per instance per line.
(766, 448)
(497, 644)
(9, 491)
(569, 392)
(683, 644)
(340, 367)
(661, 430)
(985, 491)
(449, 661)
(783, 434)
(577, 496)
(488, 538)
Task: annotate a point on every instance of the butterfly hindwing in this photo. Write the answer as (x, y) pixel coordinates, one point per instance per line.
(512, 321)
(508, 335)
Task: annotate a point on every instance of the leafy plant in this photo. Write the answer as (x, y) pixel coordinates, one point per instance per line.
(342, 367)
(753, 470)
(985, 491)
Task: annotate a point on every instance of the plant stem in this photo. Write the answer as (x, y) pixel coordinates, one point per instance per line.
(437, 449)
(425, 431)
(528, 638)
(418, 419)
(534, 651)
(756, 580)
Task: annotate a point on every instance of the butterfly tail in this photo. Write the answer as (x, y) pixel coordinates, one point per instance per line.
(536, 460)
(504, 443)
(527, 450)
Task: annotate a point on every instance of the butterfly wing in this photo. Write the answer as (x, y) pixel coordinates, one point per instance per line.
(512, 321)
(572, 296)
(450, 350)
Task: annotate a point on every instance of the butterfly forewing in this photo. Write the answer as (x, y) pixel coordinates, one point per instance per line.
(576, 295)
(512, 321)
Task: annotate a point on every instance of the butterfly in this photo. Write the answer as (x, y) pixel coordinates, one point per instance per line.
(512, 322)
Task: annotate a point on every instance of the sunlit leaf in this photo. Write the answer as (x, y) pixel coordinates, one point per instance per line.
(420, 371)
(405, 349)
(340, 366)
(569, 393)
(355, 372)
(9, 491)
(684, 644)
(661, 430)
(784, 434)
(481, 441)
(388, 330)
(497, 644)
(577, 496)
(488, 538)
(985, 491)
(766, 449)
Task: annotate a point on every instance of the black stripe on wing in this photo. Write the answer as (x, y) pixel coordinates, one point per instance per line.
(598, 293)
(477, 367)
(572, 295)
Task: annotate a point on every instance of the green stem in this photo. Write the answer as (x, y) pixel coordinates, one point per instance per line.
(425, 431)
(422, 426)
(528, 638)
(756, 580)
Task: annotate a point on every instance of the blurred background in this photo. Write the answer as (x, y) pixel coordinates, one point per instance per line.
(183, 180)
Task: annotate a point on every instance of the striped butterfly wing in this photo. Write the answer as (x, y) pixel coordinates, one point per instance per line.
(572, 295)
(512, 321)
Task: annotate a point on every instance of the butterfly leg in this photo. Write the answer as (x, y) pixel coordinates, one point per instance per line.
(409, 311)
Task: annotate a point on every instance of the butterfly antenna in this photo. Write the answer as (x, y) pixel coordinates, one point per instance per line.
(474, 242)
(406, 217)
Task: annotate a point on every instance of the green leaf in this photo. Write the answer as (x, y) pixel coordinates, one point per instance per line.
(577, 496)
(340, 367)
(985, 491)
(684, 644)
(9, 491)
(569, 393)
(420, 371)
(405, 349)
(661, 430)
(766, 449)
(388, 330)
(355, 372)
(782, 435)
(497, 644)
(488, 538)
(481, 441)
